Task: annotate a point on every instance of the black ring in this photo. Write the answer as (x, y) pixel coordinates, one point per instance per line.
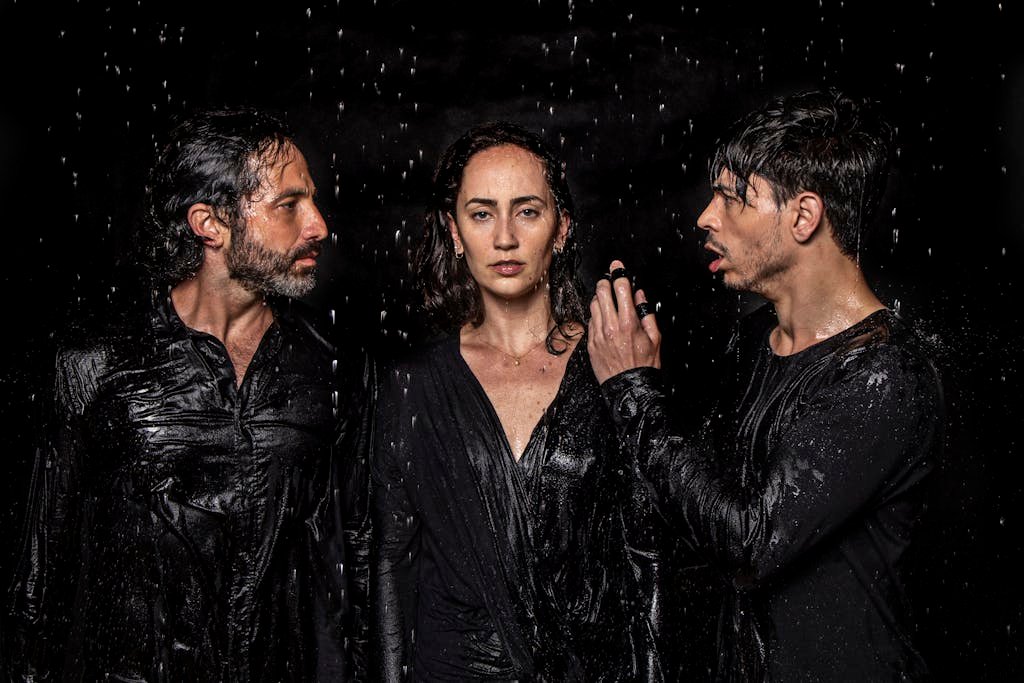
(616, 274)
(605, 276)
(643, 309)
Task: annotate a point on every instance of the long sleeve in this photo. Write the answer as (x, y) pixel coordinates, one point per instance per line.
(341, 532)
(42, 591)
(645, 540)
(355, 481)
(856, 441)
(396, 542)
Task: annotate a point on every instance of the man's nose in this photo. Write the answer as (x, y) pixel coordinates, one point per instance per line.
(708, 218)
(316, 226)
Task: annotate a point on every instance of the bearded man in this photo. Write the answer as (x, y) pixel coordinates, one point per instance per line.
(197, 511)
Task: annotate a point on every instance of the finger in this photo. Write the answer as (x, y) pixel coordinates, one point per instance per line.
(649, 322)
(596, 328)
(605, 300)
(623, 296)
(616, 270)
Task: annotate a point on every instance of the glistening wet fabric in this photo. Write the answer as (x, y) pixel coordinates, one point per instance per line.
(804, 489)
(183, 529)
(489, 569)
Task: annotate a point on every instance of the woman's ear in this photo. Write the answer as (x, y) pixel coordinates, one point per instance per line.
(453, 230)
(562, 234)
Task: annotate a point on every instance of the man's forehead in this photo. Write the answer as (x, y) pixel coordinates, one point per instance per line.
(273, 163)
(271, 168)
(754, 184)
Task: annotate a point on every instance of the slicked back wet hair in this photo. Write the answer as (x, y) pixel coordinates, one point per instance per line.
(817, 141)
(451, 297)
(217, 157)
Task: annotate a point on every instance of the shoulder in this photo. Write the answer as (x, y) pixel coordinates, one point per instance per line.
(88, 354)
(101, 342)
(413, 377)
(887, 356)
(883, 338)
(423, 358)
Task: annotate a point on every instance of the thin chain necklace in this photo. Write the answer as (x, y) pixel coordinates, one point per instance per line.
(515, 359)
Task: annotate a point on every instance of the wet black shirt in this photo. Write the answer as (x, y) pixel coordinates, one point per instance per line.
(803, 488)
(183, 529)
(492, 569)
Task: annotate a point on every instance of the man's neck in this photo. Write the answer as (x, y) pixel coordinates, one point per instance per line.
(818, 301)
(222, 308)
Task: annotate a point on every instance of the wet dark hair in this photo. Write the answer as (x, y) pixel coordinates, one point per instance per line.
(817, 141)
(217, 157)
(451, 297)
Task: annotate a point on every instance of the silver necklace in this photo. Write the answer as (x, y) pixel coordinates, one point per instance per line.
(516, 360)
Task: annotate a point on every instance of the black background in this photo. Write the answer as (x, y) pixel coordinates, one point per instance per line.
(635, 95)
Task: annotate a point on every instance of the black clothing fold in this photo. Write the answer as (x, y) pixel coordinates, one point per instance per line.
(185, 529)
(492, 569)
(803, 488)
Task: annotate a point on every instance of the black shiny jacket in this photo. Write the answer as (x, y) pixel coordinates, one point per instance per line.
(181, 528)
(487, 568)
(803, 490)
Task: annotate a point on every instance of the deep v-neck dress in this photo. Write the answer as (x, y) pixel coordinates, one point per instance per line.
(488, 568)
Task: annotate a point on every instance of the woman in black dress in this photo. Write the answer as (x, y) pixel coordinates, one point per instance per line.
(512, 538)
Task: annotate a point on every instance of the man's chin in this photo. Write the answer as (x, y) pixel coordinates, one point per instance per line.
(293, 286)
(732, 283)
(296, 287)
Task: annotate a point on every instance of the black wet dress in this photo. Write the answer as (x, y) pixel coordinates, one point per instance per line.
(183, 529)
(490, 569)
(803, 489)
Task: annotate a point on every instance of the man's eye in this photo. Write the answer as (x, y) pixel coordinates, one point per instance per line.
(290, 206)
(480, 215)
(529, 213)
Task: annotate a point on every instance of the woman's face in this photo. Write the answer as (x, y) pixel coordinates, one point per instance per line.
(506, 222)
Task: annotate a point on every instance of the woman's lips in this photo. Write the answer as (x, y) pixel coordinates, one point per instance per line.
(507, 268)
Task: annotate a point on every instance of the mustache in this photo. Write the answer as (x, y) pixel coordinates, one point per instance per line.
(720, 248)
(309, 249)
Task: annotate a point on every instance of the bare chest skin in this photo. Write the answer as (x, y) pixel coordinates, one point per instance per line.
(241, 351)
(519, 394)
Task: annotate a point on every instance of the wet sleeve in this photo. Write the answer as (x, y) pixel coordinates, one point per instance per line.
(344, 543)
(646, 545)
(860, 438)
(41, 594)
(396, 545)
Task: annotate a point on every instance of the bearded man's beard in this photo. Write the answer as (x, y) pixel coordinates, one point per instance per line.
(262, 270)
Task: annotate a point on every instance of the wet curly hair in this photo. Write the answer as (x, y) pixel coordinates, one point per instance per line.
(217, 157)
(451, 297)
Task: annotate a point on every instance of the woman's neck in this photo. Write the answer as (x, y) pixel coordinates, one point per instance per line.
(513, 326)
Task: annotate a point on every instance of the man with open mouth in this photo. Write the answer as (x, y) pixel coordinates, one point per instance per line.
(804, 486)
